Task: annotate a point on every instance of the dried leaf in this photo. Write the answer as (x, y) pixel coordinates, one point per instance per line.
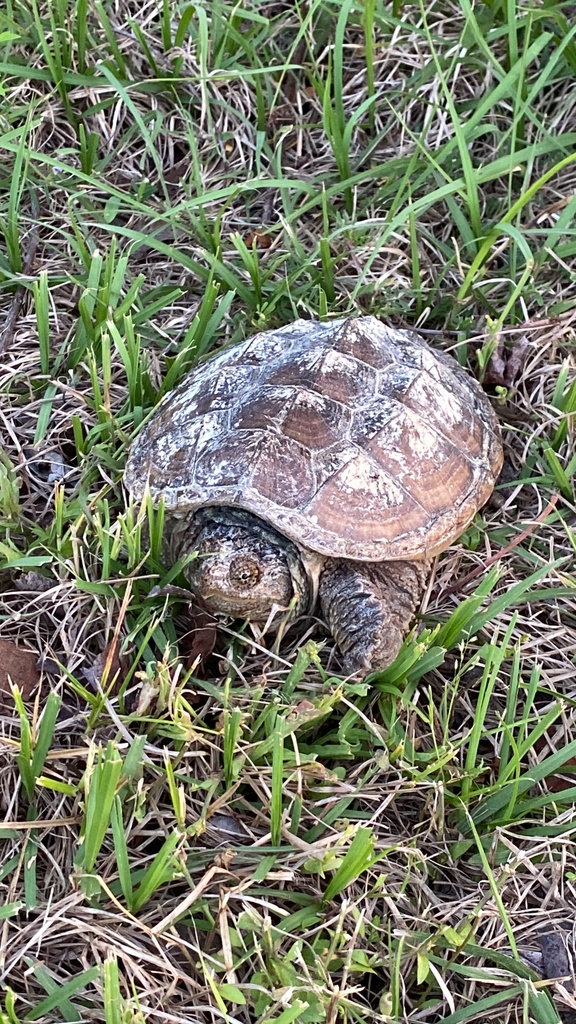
(108, 669)
(199, 641)
(259, 238)
(17, 668)
(283, 115)
(557, 955)
(34, 582)
(505, 363)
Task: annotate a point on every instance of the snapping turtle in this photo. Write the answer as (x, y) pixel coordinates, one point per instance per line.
(321, 462)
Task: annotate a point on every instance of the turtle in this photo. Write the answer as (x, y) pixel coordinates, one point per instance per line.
(320, 464)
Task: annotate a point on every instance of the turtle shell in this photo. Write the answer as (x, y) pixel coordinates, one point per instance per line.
(350, 438)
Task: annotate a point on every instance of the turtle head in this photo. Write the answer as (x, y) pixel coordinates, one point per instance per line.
(244, 568)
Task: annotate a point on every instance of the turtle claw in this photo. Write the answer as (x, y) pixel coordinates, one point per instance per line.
(369, 608)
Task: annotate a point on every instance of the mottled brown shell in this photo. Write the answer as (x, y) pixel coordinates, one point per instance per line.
(350, 438)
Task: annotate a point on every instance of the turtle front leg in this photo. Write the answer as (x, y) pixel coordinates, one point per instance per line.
(369, 608)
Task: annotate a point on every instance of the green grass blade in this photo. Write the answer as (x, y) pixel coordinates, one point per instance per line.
(359, 856)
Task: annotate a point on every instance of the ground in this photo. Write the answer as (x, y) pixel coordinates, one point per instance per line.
(246, 835)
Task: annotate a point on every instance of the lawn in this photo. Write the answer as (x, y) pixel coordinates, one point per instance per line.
(243, 834)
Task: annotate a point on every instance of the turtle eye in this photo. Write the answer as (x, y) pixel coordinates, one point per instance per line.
(244, 572)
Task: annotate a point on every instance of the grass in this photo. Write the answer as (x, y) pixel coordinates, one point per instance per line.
(263, 840)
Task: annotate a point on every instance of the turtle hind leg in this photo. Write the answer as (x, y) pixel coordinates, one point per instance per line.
(369, 607)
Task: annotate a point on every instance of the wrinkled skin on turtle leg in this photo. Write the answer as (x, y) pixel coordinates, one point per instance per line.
(369, 607)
